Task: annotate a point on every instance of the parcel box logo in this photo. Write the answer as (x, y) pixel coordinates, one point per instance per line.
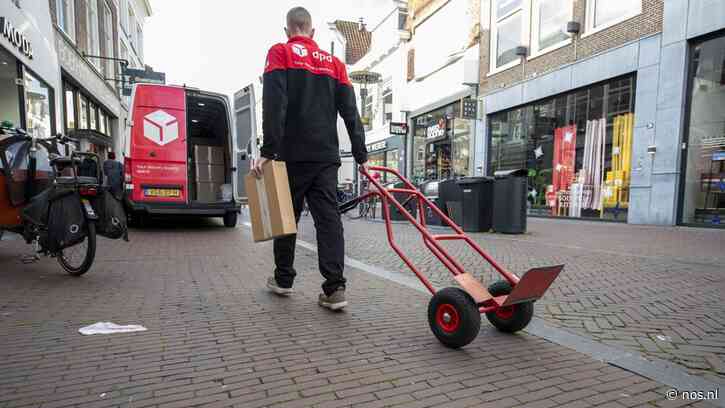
(160, 128)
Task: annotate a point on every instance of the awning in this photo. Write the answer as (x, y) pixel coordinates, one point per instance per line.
(92, 136)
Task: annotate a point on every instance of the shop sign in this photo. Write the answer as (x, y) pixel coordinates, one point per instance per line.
(146, 76)
(377, 146)
(437, 130)
(470, 109)
(400, 129)
(16, 38)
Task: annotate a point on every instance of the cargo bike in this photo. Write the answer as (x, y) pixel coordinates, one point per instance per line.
(454, 313)
(55, 199)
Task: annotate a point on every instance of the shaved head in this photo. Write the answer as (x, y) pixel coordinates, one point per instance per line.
(299, 22)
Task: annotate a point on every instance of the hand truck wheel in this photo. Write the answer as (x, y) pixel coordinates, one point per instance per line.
(453, 317)
(509, 319)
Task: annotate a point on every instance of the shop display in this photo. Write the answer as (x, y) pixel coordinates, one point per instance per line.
(563, 165)
(576, 147)
(616, 184)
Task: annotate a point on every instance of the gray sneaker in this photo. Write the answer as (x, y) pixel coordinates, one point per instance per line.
(275, 288)
(335, 301)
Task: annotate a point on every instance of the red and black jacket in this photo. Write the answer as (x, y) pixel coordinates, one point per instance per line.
(304, 90)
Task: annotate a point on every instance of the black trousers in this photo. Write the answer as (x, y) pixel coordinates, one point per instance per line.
(317, 184)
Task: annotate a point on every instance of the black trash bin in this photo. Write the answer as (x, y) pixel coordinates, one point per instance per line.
(430, 190)
(451, 196)
(411, 206)
(509, 201)
(477, 203)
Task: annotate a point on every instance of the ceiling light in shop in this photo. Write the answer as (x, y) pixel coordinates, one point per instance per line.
(201, 104)
(194, 121)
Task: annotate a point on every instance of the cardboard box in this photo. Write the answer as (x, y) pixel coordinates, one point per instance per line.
(208, 192)
(209, 154)
(209, 173)
(270, 203)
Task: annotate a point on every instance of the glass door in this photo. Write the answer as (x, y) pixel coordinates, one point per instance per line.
(703, 200)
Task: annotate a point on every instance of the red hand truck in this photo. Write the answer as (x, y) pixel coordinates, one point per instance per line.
(454, 313)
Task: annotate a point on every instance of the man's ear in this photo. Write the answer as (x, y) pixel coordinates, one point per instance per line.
(312, 33)
(286, 32)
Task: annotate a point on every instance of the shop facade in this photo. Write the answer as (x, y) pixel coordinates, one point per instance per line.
(386, 153)
(703, 180)
(29, 75)
(442, 143)
(576, 147)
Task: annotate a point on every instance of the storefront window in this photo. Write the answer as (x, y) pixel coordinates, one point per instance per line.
(441, 144)
(704, 186)
(82, 112)
(38, 106)
(377, 159)
(9, 97)
(461, 147)
(576, 148)
(93, 116)
(70, 110)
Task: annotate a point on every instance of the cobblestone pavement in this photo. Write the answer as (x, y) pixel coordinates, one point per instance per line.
(216, 338)
(660, 291)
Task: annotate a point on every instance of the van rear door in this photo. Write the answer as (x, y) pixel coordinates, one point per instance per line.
(158, 151)
(245, 126)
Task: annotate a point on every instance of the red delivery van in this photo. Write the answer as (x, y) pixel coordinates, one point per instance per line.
(180, 156)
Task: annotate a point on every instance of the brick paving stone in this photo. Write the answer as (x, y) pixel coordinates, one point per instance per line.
(216, 338)
(672, 275)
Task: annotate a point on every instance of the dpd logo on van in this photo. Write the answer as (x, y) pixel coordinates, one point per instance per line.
(299, 50)
(160, 128)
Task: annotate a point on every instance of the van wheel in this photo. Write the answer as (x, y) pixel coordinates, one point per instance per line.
(230, 219)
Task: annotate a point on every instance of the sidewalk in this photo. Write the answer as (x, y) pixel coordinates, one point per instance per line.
(216, 338)
(655, 290)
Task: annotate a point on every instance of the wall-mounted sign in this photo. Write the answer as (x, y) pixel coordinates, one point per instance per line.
(144, 76)
(400, 129)
(436, 131)
(377, 146)
(16, 38)
(470, 109)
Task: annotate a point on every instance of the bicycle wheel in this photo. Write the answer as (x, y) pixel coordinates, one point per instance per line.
(77, 260)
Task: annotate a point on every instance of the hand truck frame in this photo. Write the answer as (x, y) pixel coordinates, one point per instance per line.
(454, 313)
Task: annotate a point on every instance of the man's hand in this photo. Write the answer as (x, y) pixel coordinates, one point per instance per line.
(257, 166)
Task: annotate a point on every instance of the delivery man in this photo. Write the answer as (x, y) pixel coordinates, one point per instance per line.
(304, 90)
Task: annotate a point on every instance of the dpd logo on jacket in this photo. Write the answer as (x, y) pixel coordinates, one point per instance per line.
(299, 49)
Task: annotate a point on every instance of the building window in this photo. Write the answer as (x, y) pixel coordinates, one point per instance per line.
(38, 105)
(10, 95)
(122, 4)
(367, 96)
(94, 45)
(65, 13)
(108, 39)
(82, 112)
(93, 116)
(130, 31)
(606, 13)
(102, 128)
(549, 20)
(507, 32)
(70, 110)
(139, 42)
(387, 103)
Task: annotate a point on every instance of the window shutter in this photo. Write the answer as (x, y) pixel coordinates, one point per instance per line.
(411, 64)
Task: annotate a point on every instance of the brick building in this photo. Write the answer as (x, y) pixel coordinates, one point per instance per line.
(595, 99)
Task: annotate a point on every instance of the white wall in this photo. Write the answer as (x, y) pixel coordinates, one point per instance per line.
(33, 20)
